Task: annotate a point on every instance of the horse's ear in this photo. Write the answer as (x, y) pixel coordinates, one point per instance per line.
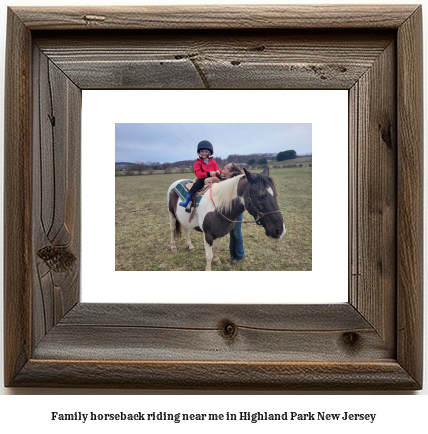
(266, 172)
(249, 175)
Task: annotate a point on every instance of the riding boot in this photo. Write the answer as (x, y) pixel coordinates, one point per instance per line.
(187, 200)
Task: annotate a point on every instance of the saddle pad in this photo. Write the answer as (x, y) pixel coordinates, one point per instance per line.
(182, 189)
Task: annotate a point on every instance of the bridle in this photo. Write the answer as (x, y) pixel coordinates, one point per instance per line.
(258, 217)
(260, 214)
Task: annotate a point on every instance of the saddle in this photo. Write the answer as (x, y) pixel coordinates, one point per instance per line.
(183, 187)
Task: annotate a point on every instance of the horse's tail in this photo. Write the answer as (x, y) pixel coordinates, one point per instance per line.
(177, 231)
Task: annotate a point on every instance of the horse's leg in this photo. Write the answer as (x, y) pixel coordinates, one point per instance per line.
(208, 254)
(172, 225)
(216, 246)
(188, 240)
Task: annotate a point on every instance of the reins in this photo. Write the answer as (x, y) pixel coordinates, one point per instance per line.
(260, 214)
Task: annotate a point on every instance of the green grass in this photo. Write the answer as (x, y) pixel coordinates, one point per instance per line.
(143, 236)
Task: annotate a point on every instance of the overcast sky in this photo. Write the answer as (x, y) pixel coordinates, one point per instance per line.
(175, 142)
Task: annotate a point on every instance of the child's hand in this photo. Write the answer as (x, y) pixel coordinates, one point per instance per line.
(217, 172)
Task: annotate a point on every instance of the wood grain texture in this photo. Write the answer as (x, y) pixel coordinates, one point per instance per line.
(372, 342)
(210, 316)
(198, 332)
(216, 375)
(373, 178)
(217, 17)
(216, 59)
(56, 194)
(410, 196)
(17, 199)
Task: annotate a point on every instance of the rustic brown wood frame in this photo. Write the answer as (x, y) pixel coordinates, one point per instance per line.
(372, 342)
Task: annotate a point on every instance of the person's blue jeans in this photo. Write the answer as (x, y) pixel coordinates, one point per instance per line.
(236, 244)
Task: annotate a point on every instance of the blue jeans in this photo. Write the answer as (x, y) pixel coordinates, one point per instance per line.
(236, 244)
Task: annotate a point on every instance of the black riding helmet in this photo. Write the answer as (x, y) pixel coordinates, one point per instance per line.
(205, 144)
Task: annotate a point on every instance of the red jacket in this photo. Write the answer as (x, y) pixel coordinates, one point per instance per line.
(202, 170)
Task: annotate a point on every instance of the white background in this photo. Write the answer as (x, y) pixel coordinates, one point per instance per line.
(326, 110)
(396, 413)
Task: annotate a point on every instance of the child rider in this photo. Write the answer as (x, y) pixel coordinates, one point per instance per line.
(204, 167)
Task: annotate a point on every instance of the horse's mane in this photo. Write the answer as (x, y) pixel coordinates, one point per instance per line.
(224, 192)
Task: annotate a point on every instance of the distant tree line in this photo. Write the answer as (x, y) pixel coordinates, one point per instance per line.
(235, 158)
(260, 162)
(243, 159)
(249, 159)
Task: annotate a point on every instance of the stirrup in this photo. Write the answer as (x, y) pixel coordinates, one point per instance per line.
(186, 201)
(189, 206)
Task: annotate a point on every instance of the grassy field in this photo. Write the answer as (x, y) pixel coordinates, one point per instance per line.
(298, 160)
(143, 236)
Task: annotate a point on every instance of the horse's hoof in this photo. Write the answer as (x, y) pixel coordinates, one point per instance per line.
(173, 249)
(217, 262)
(191, 249)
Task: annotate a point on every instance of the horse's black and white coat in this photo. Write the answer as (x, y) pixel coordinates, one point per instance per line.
(231, 198)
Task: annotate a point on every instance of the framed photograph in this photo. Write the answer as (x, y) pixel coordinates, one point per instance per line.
(133, 237)
(371, 342)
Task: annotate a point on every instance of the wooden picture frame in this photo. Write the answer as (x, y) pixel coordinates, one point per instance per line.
(372, 342)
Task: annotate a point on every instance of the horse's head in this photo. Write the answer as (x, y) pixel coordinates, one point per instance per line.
(260, 202)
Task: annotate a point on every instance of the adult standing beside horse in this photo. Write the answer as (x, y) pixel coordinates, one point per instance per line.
(236, 242)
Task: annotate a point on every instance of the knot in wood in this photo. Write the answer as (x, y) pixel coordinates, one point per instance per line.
(58, 259)
(94, 18)
(351, 340)
(258, 48)
(386, 134)
(227, 329)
